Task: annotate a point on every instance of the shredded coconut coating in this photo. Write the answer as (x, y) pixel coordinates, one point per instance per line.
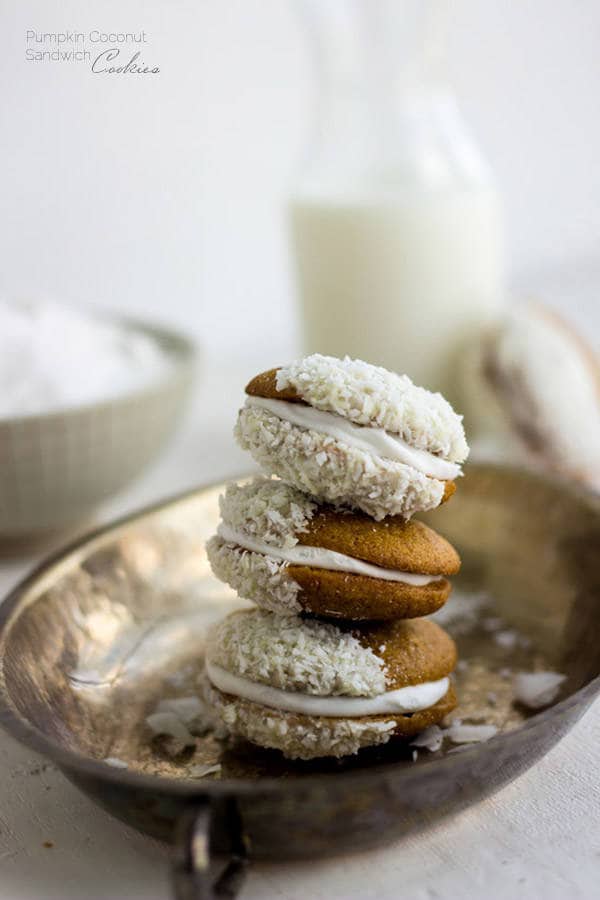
(255, 577)
(533, 389)
(370, 395)
(266, 509)
(295, 655)
(298, 737)
(334, 472)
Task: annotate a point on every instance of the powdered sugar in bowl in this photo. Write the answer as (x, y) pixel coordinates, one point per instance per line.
(86, 403)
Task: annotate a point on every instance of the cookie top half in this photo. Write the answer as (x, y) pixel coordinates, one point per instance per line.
(354, 435)
(280, 517)
(370, 396)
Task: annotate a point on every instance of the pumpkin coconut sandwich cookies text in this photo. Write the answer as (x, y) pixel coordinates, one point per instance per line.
(337, 657)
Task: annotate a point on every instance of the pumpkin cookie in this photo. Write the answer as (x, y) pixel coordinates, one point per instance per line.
(531, 387)
(282, 550)
(354, 435)
(314, 689)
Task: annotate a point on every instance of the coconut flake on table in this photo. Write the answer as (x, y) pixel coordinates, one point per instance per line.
(56, 357)
(537, 689)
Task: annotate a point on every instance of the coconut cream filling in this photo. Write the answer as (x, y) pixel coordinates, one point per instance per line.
(375, 441)
(319, 558)
(413, 698)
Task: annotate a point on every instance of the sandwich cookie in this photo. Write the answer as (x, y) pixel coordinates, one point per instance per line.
(277, 547)
(314, 689)
(354, 435)
(531, 387)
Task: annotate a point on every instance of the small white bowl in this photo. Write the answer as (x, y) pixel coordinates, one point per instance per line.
(56, 468)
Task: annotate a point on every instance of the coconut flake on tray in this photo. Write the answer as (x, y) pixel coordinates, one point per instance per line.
(510, 639)
(202, 770)
(537, 689)
(470, 734)
(115, 762)
(532, 689)
(181, 718)
(431, 739)
(170, 726)
(507, 639)
(462, 614)
(191, 711)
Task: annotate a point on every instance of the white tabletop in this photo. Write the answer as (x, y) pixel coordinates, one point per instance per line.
(538, 837)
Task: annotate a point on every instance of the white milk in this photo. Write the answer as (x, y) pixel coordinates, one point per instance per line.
(400, 278)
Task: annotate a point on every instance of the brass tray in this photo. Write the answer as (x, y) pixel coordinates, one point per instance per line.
(99, 634)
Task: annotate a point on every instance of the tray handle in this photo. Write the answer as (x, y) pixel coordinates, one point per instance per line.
(193, 870)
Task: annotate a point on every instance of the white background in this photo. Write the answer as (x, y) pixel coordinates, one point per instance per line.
(164, 194)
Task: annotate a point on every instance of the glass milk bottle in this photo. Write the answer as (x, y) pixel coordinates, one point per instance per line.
(396, 224)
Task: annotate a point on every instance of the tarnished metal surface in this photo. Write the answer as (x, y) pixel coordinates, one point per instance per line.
(91, 644)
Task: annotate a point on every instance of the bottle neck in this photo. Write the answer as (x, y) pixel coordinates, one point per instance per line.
(384, 114)
(418, 140)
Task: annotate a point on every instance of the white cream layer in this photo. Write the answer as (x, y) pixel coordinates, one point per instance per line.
(376, 441)
(319, 558)
(412, 698)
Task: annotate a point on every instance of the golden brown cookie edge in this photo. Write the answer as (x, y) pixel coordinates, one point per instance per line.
(392, 543)
(359, 597)
(265, 385)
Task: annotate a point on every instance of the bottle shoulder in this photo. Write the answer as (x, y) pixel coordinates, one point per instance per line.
(422, 145)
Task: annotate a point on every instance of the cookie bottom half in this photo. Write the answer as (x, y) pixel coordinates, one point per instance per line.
(312, 737)
(292, 589)
(334, 472)
(356, 597)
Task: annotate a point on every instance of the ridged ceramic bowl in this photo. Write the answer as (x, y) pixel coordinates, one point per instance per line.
(56, 468)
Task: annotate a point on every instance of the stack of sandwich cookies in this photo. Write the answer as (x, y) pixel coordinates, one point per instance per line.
(291, 555)
(354, 435)
(336, 658)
